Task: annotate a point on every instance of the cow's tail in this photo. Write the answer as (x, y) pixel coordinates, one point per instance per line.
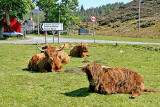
(149, 90)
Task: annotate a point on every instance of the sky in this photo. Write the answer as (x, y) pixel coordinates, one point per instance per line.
(96, 3)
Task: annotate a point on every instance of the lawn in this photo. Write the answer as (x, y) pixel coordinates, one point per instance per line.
(21, 88)
(110, 38)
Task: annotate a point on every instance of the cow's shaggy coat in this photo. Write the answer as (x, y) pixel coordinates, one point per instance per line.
(48, 61)
(114, 80)
(79, 50)
(62, 55)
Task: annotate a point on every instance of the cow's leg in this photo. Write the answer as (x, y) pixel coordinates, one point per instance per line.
(53, 68)
(106, 89)
(57, 65)
(29, 66)
(43, 70)
(134, 95)
(138, 91)
(84, 54)
(91, 88)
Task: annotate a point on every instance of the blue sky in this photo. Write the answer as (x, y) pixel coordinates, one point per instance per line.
(94, 3)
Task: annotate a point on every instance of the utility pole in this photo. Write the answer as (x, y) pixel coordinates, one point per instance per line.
(38, 21)
(59, 22)
(139, 15)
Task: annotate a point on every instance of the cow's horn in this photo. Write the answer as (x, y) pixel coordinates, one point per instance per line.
(106, 67)
(60, 48)
(51, 58)
(40, 48)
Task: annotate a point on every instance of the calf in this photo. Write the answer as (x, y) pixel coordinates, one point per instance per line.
(112, 80)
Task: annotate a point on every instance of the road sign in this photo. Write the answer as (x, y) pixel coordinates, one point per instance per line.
(93, 18)
(51, 26)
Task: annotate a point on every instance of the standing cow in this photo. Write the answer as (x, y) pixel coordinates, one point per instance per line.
(48, 61)
(112, 80)
(79, 50)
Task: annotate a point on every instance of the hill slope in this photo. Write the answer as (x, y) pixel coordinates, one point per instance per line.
(125, 20)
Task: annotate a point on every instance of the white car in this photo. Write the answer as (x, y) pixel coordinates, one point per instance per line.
(12, 34)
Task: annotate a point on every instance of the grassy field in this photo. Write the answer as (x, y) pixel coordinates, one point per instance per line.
(111, 38)
(21, 88)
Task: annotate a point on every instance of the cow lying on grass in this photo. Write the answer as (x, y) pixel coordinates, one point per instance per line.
(48, 61)
(62, 55)
(79, 50)
(112, 80)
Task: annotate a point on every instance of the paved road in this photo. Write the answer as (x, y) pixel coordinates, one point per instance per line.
(35, 39)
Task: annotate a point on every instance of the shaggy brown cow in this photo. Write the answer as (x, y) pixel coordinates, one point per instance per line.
(108, 80)
(46, 62)
(79, 50)
(35, 60)
(66, 45)
(62, 55)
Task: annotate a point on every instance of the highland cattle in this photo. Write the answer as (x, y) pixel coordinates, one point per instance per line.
(47, 61)
(79, 50)
(112, 80)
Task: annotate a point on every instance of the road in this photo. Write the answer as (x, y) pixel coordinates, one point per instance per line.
(35, 39)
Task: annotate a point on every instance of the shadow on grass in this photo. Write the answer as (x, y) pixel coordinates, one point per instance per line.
(82, 92)
(26, 69)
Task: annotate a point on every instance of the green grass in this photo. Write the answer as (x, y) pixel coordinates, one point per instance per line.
(110, 38)
(20, 88)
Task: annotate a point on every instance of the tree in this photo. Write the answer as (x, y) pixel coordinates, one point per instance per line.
(66, 9)
(15, 8)
(82, 8)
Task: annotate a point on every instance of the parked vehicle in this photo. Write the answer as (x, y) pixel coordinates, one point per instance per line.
(12, 34)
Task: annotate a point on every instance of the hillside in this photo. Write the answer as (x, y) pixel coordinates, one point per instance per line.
(85, 15)
(124, 21)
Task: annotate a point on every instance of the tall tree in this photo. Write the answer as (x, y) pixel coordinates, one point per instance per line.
(65, 8)
(16, 8)
(82, 8)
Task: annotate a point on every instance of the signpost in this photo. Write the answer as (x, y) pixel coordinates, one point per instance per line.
(45, 34)
(52, 27)
(93, 19)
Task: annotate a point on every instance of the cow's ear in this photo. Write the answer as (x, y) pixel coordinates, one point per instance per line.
(83, 69)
